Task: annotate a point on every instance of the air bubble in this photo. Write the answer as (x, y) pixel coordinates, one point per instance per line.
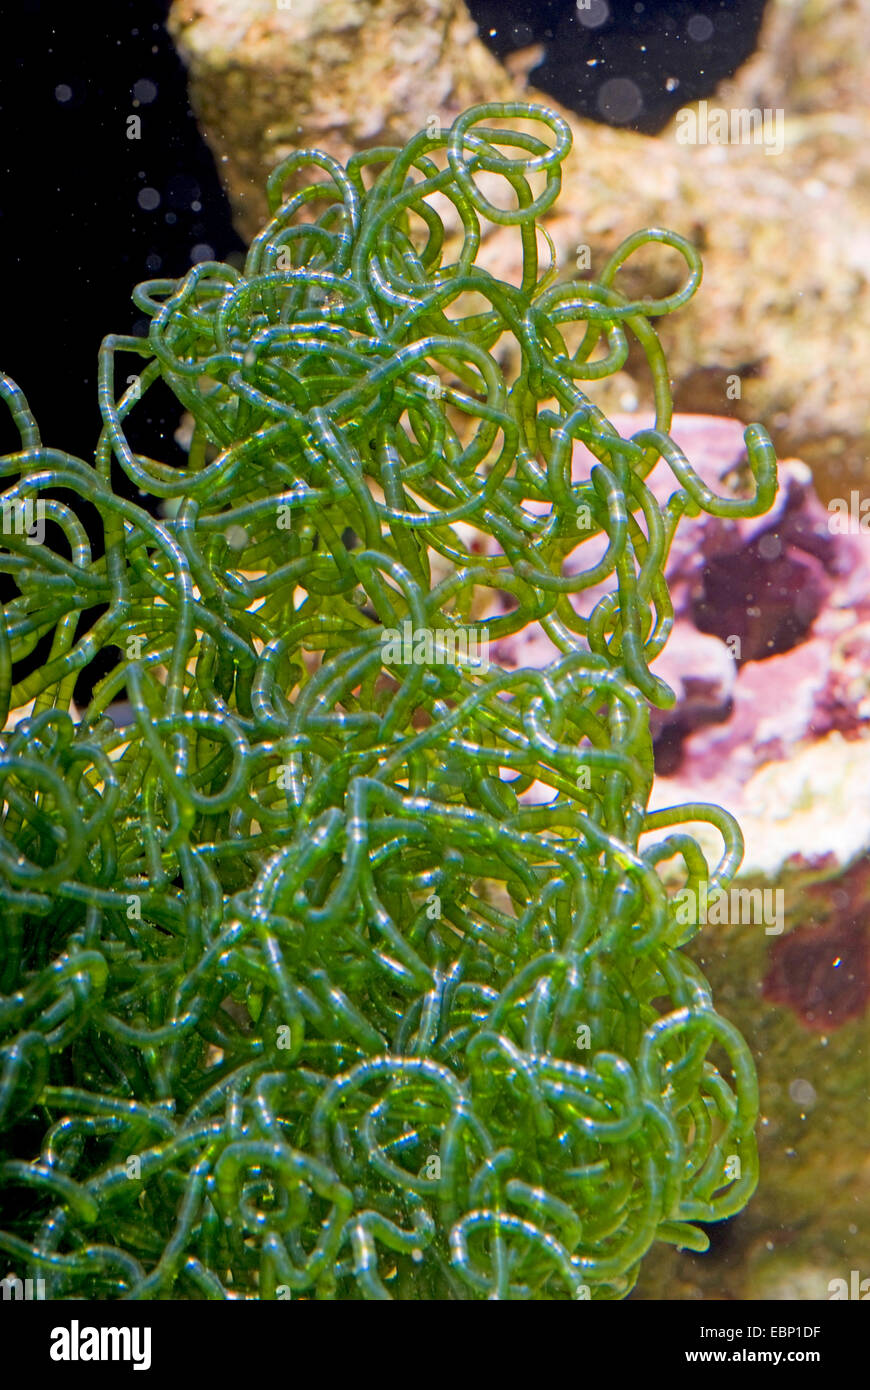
(593, 13)
(619, 99)
(144, 91)
(700, 28)
(770, 547)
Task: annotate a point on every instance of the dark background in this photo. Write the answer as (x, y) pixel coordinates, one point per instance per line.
(76, 236)
(670, 51)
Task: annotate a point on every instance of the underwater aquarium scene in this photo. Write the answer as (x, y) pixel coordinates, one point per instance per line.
(435, 669)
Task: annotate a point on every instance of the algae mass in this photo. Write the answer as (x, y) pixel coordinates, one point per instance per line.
(302, 994)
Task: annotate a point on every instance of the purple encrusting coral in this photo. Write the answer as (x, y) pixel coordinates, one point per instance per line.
(768, 657)
(822, 973)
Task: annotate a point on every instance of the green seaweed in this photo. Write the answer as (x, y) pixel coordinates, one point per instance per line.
(301, 994)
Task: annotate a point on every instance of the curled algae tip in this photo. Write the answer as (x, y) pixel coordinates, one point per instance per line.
(304, 994)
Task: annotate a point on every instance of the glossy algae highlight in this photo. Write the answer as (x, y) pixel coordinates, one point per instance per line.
(301, 995)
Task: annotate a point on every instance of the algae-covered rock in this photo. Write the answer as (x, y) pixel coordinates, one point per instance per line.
(807, 1222)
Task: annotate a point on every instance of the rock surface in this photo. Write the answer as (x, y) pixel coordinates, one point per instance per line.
(806, 58)
(338, 75)
(785, 237)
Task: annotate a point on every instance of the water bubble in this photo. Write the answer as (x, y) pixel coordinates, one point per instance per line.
(202, 252)
(144, 91)
(148, 198)
(593, 13)
(63, 92)
(619, 99)
(700, 28)
(769, 547)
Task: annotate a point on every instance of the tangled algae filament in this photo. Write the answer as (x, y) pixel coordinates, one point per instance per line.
(301, 994)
